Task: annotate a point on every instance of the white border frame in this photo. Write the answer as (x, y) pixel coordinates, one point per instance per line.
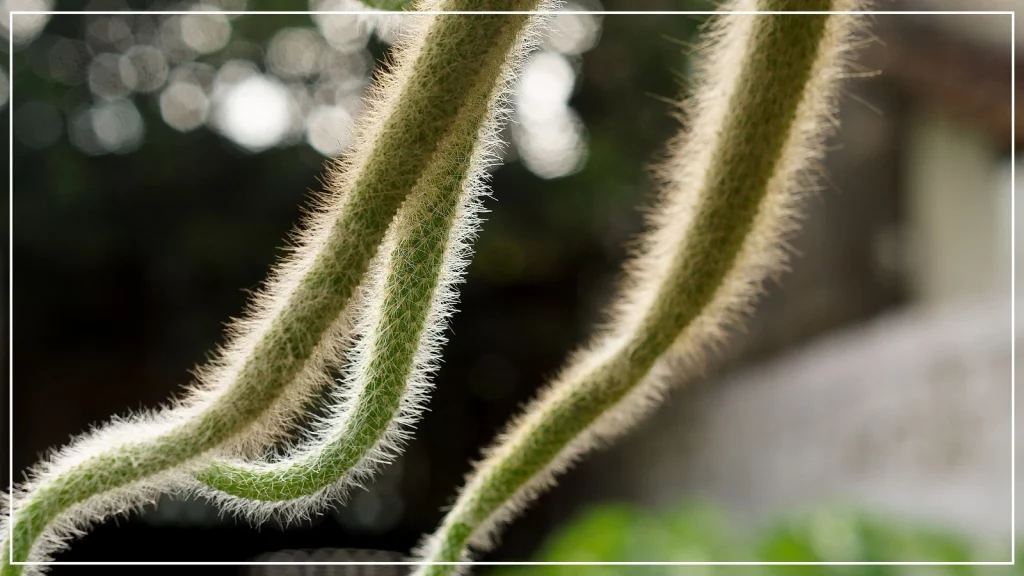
(1013, 337)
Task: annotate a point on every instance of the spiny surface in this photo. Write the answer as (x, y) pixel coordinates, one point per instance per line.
(764, 94)
(275, 357)
(408, 297)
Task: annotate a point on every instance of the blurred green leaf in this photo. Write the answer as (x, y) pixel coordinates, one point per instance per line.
(700, 533)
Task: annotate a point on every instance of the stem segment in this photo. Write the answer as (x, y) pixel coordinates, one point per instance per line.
(126, 463)
(767, 77)
(409, 296)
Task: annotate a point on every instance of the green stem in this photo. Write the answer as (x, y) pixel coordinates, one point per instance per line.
(124, 464)
(408, 299)
(767, 71)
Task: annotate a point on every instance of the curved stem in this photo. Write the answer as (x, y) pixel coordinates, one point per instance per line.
(408, 299)
(124, 464)
(767, 78)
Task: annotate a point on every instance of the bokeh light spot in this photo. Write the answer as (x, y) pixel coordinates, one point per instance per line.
(200, 74)
(549, 135)
(328, 129)
(546, 84)
(205, 33)
(294, 53)
(118, 126)
(26, 26)
(109, 33)
(149, 65)
(171, 41)
(573, 34)
(110, 126)
(111, 76)
(256, 112)
(553, 148)
(184, 106)
(344, 32)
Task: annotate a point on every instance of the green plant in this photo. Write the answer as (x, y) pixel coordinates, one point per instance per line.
(620, 532)
(370, 284)
(729, 191)
(435, 103)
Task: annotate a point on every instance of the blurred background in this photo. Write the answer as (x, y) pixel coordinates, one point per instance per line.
(159, 161)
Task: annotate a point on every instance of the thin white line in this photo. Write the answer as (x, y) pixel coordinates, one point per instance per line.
(10, 281)
(1013, 288)
(438, 12)
(509, 12)
(525, 563)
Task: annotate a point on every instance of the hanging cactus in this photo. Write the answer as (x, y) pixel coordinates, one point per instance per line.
(372, 279)
(762, 102)
(439, 102)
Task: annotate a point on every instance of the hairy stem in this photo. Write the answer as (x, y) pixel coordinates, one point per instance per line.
(765, 90)
(126, 463)
(408, 298)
